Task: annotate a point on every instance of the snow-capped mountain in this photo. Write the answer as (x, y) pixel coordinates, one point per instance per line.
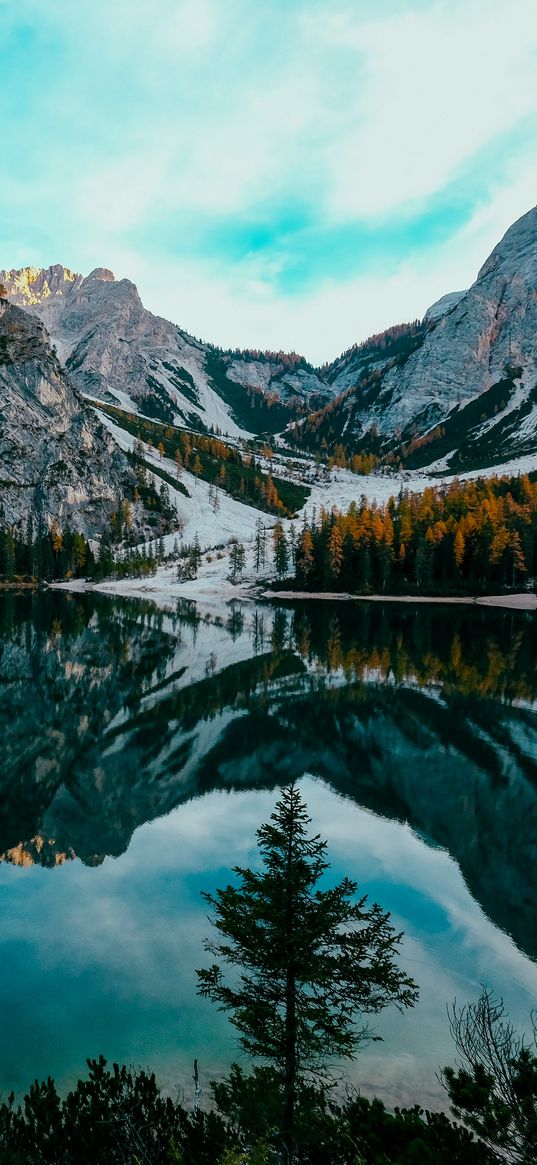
(455, 390)
(116, 350)
(462, 389)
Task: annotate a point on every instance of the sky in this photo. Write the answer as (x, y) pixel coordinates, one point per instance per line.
(270, 173)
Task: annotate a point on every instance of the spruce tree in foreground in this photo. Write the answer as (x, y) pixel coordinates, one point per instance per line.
(311, 961)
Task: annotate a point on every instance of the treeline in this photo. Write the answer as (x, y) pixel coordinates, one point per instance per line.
(32, 552)
(400, 339)
(28, 557)
(466, 538)
(210, 458)
(289, 361)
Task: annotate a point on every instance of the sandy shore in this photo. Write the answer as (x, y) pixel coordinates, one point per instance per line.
(521, 602)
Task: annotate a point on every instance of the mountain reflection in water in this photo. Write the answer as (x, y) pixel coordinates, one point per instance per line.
(113, 713)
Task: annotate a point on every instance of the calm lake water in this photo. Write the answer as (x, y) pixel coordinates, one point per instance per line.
(141, 750)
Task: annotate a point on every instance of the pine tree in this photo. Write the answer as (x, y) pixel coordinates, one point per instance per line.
(260, 545)
(310, 960)
(304, 556)
(237, 559)
(281, 551)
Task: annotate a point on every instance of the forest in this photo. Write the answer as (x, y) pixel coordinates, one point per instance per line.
(472, 537)
(209, 457)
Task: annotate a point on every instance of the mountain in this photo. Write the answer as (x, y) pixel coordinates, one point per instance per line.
(455, 390)
(115, 350)
(55, 457)
(461, 391)
(56, 460)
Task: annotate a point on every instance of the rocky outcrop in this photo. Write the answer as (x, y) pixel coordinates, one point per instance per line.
(469, 385)
(489, 336)
(115, 350)
(465, 377)
(57, 462)
(443, 305)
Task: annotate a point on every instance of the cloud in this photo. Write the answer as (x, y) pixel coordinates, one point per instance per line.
(277, 175)
(433, 87)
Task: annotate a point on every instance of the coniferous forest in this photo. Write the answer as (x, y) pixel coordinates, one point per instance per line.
(472, 537)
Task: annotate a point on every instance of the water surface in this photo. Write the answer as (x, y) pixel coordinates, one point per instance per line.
(141, 749)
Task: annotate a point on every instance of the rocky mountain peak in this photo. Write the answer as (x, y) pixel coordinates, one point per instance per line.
(441, 306)
(102, 273)
(29, 286)
(518, 247)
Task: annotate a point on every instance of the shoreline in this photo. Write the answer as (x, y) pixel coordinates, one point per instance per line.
(518, 602)
(217, 591)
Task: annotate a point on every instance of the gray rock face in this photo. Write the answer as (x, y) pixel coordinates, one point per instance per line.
(469, 369)
(471, 375)
(493, 328)
(115, 350)
(443, 305)
(56, 460)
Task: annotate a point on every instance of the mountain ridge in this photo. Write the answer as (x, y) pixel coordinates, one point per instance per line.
(455, 390)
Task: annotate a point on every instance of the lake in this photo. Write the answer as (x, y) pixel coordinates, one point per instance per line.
(141, 750)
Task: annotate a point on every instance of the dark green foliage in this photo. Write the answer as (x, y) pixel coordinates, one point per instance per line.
(255, 410)
(51, 555)
(461, 430)
(145, 480)
(189, 561)
(30, 555)
(468, 538)
(116, 1115)
(331, 1132)
(237, 559)
(494, 1088)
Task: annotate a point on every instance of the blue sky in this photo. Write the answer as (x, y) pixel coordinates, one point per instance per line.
(272, 174)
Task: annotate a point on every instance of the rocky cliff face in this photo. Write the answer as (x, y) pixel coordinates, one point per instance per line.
(465, 377)
(56, 460)
(115, 350)
(472, 373)
(489, 337)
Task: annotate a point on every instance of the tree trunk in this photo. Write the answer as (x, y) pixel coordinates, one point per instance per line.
(290, 1067)
(290, 1013)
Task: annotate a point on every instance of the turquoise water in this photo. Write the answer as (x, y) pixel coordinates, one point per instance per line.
(142, 750)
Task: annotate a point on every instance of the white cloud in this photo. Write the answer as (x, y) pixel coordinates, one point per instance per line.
(241, 308)
(432, 88)
(193, 116)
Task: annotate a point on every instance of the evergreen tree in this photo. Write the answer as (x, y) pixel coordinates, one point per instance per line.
(237, 559)
(260, 545)
(281, 550)
(494, 1087)
(310, 960)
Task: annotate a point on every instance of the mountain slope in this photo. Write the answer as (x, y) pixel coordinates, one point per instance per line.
(469, 387)
(56, 460)
(117, 351)
(455, 390)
